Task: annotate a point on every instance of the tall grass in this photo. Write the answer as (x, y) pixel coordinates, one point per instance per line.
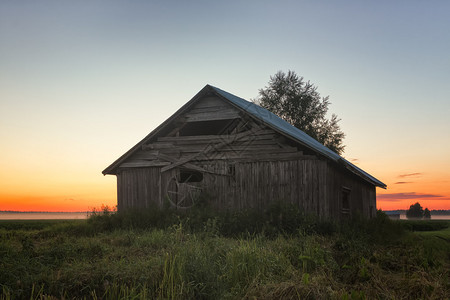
(276, 254)
(279, 218)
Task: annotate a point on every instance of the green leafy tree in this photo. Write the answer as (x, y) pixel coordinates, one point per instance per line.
(298, 102)
(426, 214)
(415, 211)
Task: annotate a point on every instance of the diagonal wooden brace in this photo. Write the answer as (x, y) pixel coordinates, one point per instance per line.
(208, 149)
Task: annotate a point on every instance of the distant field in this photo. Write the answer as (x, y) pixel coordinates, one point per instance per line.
(43, 215)
(424, 225)
(443, 233)
(433, 217)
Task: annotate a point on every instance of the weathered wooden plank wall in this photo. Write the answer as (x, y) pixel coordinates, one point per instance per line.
(361, 194)
(313, 185)
(138, 187)
(252, 185)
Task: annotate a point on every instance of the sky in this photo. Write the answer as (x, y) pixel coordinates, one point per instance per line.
(81, 82)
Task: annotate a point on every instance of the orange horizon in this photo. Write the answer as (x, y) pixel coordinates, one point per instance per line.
(431, 191)
(86, 193)
(27, 203)
(405, 204)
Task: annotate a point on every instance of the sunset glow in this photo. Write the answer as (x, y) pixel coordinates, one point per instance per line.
(407, 189)
(81, 83)
(58, 200)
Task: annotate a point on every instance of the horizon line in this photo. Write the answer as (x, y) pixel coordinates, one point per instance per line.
(35, 211)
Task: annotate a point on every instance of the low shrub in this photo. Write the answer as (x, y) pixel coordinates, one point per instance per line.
(279, 218)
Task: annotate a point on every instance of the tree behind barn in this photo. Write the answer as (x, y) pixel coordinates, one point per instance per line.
(298, 102)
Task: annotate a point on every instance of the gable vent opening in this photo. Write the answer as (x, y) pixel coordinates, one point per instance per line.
(213, 127)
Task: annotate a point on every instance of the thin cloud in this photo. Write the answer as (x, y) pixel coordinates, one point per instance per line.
(402, 182)
(410, 175)
(409, 196)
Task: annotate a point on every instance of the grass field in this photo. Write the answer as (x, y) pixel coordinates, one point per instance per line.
(277, 255)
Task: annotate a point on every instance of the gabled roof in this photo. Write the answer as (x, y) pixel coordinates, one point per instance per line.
(266, 117)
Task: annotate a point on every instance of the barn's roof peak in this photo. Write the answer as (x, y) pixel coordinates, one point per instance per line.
(266, 117)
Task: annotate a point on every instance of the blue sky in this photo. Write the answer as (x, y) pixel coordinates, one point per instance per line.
(83, 81)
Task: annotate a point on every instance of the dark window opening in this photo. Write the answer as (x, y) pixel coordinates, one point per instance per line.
(190, 176)
(231, 170)
(345, 200)
(214, 127)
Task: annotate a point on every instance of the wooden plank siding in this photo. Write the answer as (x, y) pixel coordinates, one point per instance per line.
(361, 194)
(138, 188)
(211, 108)
(314, 185)
(254, 185)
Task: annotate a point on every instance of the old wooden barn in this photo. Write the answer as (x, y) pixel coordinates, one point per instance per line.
(241, 156)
